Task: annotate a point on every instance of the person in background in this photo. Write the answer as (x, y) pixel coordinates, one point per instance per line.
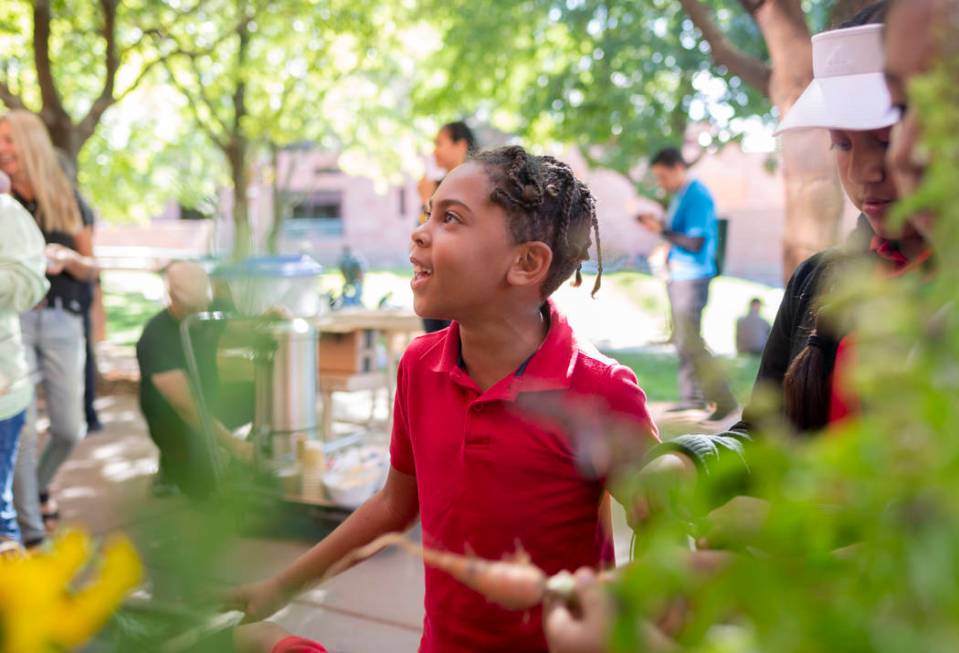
(53, 330)
(94, 302)
(453, 145)
(692, 232)
(752, 330)
(22, 285)
(352, 270)
(166, 397)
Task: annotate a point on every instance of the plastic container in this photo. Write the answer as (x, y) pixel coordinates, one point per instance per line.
(263, 282)
(313, 466)
(355, 475)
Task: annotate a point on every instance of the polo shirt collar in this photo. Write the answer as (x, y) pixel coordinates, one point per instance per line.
(549, 368)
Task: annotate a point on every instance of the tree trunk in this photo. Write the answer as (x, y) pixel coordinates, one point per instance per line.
(236, 154)
(276, 200)
(63, 134)
(239, 145)
(814, 198)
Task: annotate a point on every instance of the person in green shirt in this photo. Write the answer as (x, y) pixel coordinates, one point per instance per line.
(22, 284)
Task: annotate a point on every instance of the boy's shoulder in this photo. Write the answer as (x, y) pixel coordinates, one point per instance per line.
(696, 191)
(591, 365)
(598, 375)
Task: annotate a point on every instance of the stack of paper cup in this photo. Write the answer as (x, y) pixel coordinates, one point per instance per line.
(313, 464)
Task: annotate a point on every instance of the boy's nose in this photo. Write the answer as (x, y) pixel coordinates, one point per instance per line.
(420, 236)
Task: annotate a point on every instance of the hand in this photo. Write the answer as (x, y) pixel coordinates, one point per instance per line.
(585, 628)
(651, 223)
(658, 483)
(57, 258)
(257, 600)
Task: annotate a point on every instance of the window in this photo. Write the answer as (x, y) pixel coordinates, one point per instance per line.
(192, 213)
(322, 210)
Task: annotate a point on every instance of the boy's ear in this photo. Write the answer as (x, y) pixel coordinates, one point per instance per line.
(531, 265)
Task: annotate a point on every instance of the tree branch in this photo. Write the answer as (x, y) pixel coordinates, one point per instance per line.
(219, 139)
(751, 70)
(112, 63)
(52, 105)
(178, 50)
(239, 96)
(163, 30)
(208, 102)
(10, 99)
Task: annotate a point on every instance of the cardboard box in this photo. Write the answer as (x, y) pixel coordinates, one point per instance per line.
(350, 353)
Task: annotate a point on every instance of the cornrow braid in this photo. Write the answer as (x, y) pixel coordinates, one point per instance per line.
(546, 202)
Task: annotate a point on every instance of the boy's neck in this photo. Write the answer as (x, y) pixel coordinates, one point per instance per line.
(494, 348)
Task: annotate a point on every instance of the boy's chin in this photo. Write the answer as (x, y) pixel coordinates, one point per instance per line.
(427, 311)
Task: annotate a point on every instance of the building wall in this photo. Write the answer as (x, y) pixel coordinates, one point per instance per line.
(377, 219)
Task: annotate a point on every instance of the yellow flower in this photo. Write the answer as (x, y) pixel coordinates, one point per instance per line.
(39, 607)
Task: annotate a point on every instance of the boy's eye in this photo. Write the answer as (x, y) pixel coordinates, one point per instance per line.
(450, 217)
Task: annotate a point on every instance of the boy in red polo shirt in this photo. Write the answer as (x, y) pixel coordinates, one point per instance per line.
(505, 230)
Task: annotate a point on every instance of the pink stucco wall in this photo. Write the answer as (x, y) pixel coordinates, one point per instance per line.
(377, 221)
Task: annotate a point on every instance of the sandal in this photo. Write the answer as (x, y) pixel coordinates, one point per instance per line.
(50, 513)
(10, 548)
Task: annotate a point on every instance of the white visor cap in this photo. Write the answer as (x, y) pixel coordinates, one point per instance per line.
(848, 90)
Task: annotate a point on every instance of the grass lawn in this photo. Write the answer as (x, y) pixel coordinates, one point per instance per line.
(127, 313)
(130, 299)
(657, 373)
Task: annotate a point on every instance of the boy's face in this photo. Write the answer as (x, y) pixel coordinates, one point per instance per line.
(461, 255)
(669, 178)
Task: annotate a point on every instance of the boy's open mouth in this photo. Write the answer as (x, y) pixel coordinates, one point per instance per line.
(421, 274)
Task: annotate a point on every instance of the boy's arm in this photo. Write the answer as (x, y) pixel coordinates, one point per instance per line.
(691, 223)
(394, 508)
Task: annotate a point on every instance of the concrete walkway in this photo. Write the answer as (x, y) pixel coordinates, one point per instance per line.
(374, 607)
(105, 488)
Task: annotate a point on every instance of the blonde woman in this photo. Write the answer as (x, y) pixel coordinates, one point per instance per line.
(53, 330)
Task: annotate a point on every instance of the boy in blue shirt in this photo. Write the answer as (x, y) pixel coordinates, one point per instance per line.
(692, 231)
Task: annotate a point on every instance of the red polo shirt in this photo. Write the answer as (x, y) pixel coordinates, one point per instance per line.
(488, 479)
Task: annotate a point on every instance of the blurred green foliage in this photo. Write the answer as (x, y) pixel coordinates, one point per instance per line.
(373, 80)
(856, 549)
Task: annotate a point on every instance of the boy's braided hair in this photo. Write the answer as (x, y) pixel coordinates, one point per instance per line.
(545, 202)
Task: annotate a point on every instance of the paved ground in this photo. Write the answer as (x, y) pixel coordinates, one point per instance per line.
(374, 607)
(104, 487)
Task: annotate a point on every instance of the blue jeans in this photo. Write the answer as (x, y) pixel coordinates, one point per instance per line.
(9, 437)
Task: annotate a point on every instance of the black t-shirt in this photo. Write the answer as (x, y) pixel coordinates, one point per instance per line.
(74, 295)
(160, 349)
